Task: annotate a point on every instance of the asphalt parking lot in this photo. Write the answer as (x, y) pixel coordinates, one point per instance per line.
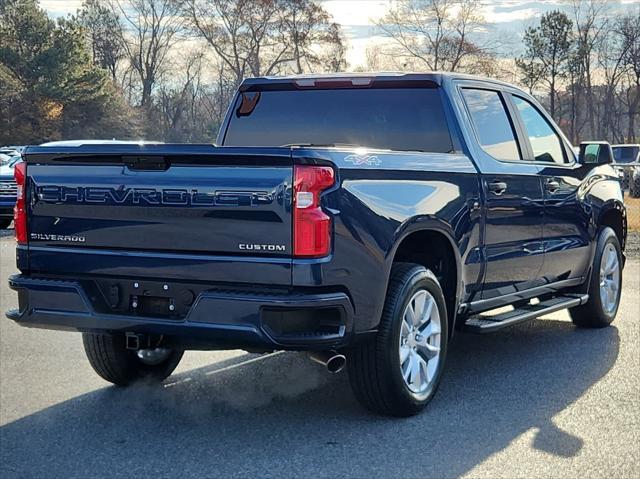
(539, 400)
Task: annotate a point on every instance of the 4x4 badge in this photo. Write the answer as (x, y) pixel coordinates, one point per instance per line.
(357, 160)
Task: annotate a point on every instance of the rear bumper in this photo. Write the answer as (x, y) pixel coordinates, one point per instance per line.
(218, 319)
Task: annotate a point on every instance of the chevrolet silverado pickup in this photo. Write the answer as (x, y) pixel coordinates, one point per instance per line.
(361, 218)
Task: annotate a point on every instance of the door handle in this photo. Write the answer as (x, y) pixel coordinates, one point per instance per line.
(552, 186)
(497, 187)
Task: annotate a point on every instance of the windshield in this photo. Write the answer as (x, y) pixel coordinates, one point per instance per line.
(9, 160)
(625, 154)
(384, 118)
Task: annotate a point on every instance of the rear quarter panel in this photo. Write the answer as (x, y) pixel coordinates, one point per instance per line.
(381, 198)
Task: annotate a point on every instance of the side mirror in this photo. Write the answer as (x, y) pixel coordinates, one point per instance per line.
(595, 153)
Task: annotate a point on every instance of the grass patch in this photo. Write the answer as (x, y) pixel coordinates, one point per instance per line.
(633, 212)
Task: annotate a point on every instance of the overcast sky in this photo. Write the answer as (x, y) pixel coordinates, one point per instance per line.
(508, 18)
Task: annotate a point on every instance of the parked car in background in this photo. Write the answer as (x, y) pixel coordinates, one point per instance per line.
(627, 162)
(12, 150)
(8, 189)
(634, 183)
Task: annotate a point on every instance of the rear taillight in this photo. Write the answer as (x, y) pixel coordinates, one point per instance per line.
(311, 225)
(19, 210)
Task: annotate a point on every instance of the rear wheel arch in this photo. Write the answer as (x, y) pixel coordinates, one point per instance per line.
(436, 251)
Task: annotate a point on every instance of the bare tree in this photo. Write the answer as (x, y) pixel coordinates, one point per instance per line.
(265, 37)
(150, 30)
(612, 53)
(177, 102)
(237, 30)
(629, 30)
(591, 23)
(333, 58)
(315, 41)
(438, 34)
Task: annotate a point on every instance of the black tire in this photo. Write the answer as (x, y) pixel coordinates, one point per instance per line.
(634, 187)
(593, 314)
(625, 183)
(374, 366)
(109, 357)
(4, 223)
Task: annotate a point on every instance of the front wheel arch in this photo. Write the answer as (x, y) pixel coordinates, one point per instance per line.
(594, 314)
(614, 216)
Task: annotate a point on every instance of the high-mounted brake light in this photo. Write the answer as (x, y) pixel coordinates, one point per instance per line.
(333, 82)
(311, 225)
(19, 210)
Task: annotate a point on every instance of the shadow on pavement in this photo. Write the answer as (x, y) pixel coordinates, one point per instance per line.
(282, 415)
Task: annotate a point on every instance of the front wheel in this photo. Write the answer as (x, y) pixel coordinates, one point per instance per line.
(605, 285)
(109, 357)
(398, 372)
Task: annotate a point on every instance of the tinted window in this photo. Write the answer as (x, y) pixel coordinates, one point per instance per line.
(395, 119)
(544, 140)
(492, 124)
(625, 154)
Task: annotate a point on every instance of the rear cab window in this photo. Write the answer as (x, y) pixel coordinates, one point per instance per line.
(625, 154)
(400, 119)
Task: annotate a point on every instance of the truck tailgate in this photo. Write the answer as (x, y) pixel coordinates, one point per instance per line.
(162, 209)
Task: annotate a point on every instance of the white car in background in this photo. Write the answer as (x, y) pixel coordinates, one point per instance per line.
(8, 188)
(627, 162)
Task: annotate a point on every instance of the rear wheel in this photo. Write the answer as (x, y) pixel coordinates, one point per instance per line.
(398, 372)
(109, 357)
(604, 286)
(4, 223)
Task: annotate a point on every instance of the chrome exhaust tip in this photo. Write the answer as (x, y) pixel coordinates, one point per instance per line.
(333, 361)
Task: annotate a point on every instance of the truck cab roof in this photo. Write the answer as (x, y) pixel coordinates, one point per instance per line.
(76, 143)
(362, 79)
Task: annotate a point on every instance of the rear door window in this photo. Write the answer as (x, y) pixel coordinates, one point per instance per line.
(492, 124)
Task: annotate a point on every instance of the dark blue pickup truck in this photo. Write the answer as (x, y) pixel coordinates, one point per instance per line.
(361, 218)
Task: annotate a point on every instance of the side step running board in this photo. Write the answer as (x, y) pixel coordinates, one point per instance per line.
(489, 324)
